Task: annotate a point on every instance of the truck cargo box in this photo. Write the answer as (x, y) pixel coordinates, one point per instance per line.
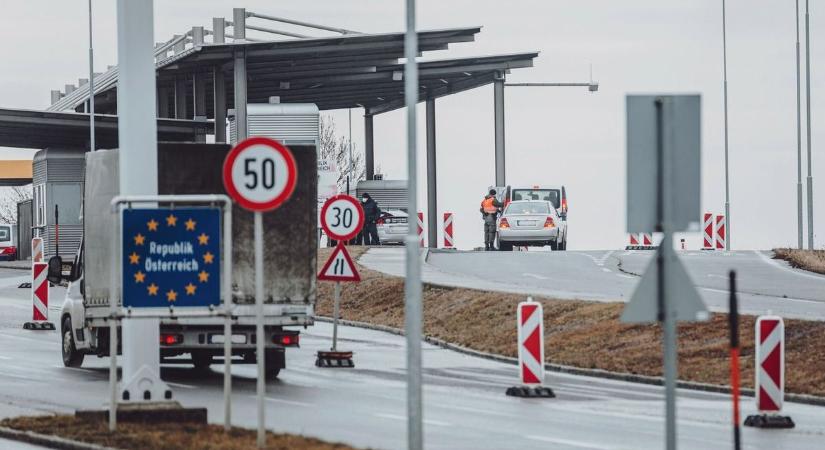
(290, 240)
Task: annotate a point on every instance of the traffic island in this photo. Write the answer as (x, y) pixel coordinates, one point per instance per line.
(66, 432)
(578, 334)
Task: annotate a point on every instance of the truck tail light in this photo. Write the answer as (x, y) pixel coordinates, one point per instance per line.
(503, 224)
(287, 340)
(169, 339)
(549, 223)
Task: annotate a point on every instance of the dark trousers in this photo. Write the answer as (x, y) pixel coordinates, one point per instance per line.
(370, 233)
(489, 230)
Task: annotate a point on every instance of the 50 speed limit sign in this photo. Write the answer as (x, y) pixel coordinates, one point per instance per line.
(260, 173)
(342, 217)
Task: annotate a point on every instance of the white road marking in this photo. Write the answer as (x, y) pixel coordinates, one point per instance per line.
(626, 276)
(605, 269)
(532, 275)
(571, 443)
(725, 291)
(289, 402)
(437, 423)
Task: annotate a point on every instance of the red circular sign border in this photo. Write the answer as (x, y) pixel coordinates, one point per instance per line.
(292, 173)
(361, 218)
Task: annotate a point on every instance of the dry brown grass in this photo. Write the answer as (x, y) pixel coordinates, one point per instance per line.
(174, 436)
(577, 333)
(812, 260)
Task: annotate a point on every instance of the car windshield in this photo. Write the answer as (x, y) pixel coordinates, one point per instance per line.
(5, 233)
(527, 208)
(547, 195)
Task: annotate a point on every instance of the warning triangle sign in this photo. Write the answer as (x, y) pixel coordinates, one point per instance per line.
(339, 267)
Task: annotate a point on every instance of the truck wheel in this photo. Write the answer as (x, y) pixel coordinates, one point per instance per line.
(201, 361)
(71, 357)
(275, 361)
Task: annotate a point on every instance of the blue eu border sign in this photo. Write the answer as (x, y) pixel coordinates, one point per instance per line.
(171, 257)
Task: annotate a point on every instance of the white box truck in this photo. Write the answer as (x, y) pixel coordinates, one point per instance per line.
(289, 264)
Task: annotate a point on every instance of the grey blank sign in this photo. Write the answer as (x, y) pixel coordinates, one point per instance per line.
(681, 128)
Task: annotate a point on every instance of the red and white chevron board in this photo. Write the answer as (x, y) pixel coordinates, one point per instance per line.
(40, 292)
(720, 232)
(647, 239)
(770, 363)
(634, 239)
(37, 250)
(530, 317)
(707, 232)
(448, 230)
(421, 228)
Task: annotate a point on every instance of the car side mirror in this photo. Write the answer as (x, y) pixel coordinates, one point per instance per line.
(55, 274)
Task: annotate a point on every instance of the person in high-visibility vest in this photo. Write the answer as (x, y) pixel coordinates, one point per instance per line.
(489, 212)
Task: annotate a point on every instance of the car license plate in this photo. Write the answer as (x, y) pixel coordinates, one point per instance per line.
(526, 223)
(398, 220)
(236, 338)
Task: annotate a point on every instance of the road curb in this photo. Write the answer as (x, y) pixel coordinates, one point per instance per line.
(48, 440)
(596, 373)
(9, 266)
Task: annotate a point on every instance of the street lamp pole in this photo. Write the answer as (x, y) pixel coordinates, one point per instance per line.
(725, 88)
(91, 85)
(800, 220)
(808, 119)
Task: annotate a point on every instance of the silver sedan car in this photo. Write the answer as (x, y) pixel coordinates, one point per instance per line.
(529, 223)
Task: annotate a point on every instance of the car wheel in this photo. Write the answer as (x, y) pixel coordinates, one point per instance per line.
(505, 246)
(71, 356)
(554, 245)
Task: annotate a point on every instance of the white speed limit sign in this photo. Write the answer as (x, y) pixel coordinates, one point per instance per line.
(260, 173)
(342, 217)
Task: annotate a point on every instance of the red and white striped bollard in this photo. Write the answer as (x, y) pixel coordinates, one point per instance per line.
(707, 232)
(770, 374)
(530, 322)
(448, 230)
(720, 233)
(40, 299)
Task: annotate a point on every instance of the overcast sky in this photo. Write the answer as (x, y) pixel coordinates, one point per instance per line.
(554, 135)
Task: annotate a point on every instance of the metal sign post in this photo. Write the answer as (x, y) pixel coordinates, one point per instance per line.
(342, 217)
(163, 268)
(412, 281)
(260, 174)
(663, 133)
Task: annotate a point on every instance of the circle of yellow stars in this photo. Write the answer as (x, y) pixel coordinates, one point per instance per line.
(153, 289)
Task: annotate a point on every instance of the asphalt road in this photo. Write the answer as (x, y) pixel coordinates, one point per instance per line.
(465, 405)
(765, 285)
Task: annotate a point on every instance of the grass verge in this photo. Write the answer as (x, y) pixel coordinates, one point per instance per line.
(578, 333)
(811, 260)
(173, 436)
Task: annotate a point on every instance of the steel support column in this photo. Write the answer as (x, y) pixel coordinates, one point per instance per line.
(199, 103)
(498, 103)
(369, 149)
(239, 26)
(137, 138)
(432, 191)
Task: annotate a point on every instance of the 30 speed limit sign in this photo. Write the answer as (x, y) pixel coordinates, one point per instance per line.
(260, 174)
(342, 217)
